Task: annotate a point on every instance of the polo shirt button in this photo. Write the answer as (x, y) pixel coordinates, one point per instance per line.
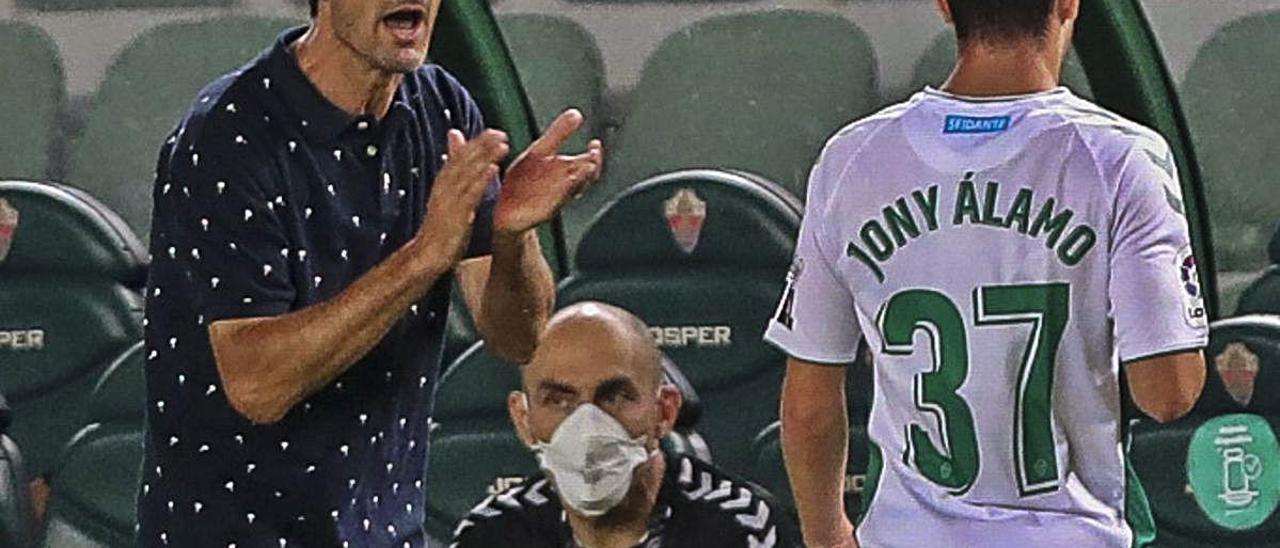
(363, 125)
(371, 151)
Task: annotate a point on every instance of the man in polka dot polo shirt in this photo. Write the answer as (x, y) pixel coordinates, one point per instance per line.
(310, 213)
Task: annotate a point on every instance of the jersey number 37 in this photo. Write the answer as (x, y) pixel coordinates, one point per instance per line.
(1046, 308)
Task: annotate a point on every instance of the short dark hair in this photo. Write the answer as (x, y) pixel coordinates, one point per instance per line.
(315, 6)
(1000, 20)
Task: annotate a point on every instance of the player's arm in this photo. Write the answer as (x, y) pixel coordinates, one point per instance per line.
(815, 445)
(1166, 387)
(269, 363)
(817, 327)
(1156, 303)
(511, 293)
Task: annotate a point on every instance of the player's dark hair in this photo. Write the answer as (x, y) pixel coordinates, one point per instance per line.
(999, 21)
(315, 6)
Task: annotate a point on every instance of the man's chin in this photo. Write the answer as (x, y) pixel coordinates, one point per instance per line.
(402, 63)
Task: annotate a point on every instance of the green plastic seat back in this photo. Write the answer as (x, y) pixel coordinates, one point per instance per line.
(74, 5)
(147, 89)
(708, 301)
(33, 91)
(1262, 296)
(768, 467)
(95, 489)
(95, 485)
(69, 289)
(936, 63)
(474, 449)
(1243, 358)
(16, 516)
(1229, 95)
(760, 92)
(769, 470)
(560, 66)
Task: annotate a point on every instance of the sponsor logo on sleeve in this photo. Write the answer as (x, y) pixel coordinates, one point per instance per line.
(8, 226)
(786, 308)
(1192, 296)
(685, 213)
(956, 123)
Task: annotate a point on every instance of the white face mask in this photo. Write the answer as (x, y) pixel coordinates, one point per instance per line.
(591, 457)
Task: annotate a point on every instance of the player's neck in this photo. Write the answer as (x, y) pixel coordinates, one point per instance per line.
(626, 525)
(342, 75)
(984, 70)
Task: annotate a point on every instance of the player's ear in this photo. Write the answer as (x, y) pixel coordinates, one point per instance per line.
(945, 9)
(669, 402)
(1065, 10)
(518, 408)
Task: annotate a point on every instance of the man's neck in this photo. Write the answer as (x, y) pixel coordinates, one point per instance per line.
(983, 70)
(628, 523)
(342, 75)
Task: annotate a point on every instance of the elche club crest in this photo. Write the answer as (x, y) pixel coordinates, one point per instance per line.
(685, 213)
(8, 226)
(1238, 368)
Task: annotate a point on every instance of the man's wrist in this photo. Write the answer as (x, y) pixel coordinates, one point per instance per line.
(424, 263)
(511, 242)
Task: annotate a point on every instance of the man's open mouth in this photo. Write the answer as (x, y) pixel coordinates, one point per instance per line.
(405, 21)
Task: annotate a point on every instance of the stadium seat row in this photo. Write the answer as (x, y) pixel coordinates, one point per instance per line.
(705, 98)
(699, 254)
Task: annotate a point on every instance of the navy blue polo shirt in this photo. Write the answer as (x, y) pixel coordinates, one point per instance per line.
(270, 199)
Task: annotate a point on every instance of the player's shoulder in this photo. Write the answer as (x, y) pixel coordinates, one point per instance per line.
(846, 145)
(1108, 136)
(859, 132)
(528, 511)
(725, 508)
(225, 114)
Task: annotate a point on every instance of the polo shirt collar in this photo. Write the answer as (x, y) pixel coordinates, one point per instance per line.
(321, 121)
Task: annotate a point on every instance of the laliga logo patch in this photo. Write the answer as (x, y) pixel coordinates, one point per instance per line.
(8, 226)
(1238, 368)
(685, 214)
(1192, 299)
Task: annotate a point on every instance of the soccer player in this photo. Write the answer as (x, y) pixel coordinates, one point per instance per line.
(1008, 250)
(593, 408)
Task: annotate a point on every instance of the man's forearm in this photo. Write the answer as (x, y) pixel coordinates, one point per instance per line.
(269, 364)
(518, 296)
(815, 445)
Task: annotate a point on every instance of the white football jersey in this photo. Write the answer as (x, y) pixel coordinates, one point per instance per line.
(1002, 257)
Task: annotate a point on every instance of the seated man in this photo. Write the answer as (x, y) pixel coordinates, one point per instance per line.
(593, 409)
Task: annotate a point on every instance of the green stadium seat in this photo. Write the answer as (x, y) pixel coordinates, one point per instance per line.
(31, 98)
(560, 67)
(474, 449)
(1229, 94)
(16, 522)
(759, 92)
(706, 289)
(144, 95)
(935, 65)
(70, 290)
(1241, 401)
(770, 471)
(1262, 296)
(77, 5)
(94, 488)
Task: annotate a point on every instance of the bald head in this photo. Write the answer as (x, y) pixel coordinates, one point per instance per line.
(594, 335)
